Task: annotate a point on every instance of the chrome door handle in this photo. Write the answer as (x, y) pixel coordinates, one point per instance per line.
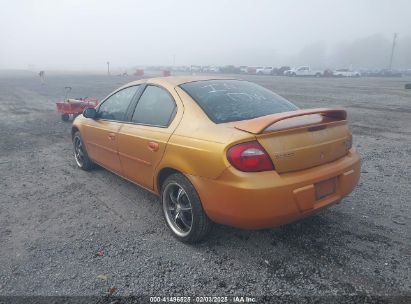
(111, 136)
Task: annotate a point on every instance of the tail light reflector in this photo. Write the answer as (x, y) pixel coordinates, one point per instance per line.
(249, 157)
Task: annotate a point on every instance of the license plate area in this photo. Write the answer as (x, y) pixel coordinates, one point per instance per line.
(325, 188)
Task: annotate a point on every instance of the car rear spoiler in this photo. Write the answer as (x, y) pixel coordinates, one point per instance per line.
(259, 124)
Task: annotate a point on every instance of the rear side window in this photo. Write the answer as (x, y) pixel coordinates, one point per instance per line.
(235, 100)
(156, 107)
(115, 107)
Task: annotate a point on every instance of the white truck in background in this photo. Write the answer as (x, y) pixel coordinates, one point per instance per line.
(303, 71)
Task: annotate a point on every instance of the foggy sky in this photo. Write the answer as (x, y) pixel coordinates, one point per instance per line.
(85, 34)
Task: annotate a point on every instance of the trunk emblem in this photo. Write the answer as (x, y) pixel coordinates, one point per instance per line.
(285, 155)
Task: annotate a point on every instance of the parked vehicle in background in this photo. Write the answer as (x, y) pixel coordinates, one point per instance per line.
(243, 69)
(283, 69)
(264, 71)
(304, 71)
(214, 69)
(328, 73)
(274, 71)
(346, 73)
(288, 72)
(195, 68)
(253, 70)
(229, 69)
(381, 73)
(389, 73)
(210, 69)
(181, 68)
(369, 72)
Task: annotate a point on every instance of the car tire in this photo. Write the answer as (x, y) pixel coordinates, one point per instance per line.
(183, 211)
(65, 117)
(80, 153)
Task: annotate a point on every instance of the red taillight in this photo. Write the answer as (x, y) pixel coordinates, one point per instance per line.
(249, 157)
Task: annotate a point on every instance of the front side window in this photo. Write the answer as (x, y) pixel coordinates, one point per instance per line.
(156, 107)
(115, 107)
(235, 100)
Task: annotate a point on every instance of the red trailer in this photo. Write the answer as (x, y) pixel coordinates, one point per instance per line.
(74, 107)
(139, 72)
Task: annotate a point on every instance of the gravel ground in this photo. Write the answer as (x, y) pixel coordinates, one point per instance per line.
(55, 218)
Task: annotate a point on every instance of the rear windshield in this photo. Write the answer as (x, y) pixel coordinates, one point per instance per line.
(235, 100)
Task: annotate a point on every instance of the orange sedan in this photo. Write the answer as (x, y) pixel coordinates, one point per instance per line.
(220, 150)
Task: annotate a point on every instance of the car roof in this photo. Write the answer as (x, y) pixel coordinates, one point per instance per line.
(176, 80)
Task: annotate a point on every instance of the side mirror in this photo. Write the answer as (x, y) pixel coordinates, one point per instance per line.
(90, 113)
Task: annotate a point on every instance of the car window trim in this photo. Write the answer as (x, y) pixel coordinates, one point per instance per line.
(133, 109)
(128, 108)
(133, 103)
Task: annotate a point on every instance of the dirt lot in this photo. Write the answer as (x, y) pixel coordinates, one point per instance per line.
(54, 218)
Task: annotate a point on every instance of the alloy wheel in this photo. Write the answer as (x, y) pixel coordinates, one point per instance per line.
(78, 151)
(177, 209)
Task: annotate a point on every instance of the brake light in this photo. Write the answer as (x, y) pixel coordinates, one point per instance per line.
(249, 157)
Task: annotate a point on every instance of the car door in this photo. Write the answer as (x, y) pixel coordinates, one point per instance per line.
(100, 134)
(143, 140)
(305, 71)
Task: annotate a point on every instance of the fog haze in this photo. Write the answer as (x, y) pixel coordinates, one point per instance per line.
(85, 34)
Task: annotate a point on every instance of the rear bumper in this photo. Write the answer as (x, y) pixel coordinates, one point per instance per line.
(266, 199)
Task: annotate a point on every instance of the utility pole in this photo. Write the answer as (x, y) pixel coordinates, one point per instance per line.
(392, 50)
(108, 68)
(174, 60)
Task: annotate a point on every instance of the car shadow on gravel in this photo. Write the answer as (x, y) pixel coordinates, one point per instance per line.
(326, 245)
(327, 236)
(315, 227)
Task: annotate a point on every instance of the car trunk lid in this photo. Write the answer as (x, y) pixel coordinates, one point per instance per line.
(301, 139)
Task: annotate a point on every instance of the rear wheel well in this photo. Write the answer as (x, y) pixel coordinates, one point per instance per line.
(163, 174)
